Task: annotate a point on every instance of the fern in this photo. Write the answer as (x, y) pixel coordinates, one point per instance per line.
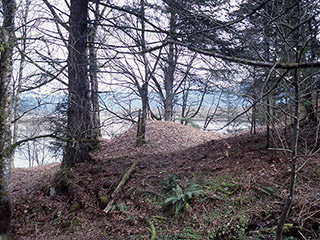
(180, 199)
(170, 182)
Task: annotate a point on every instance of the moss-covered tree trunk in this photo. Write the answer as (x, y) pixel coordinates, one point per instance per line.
(7, 42)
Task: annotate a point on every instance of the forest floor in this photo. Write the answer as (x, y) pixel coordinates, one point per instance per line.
(187, 184)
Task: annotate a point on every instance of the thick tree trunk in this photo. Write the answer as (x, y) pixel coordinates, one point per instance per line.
(79, 124)
(168, 107)
(7, 41)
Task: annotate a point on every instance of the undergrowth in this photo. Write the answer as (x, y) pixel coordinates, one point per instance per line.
(219, 208)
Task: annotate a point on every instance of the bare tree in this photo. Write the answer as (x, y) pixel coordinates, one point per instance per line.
(133, 68)
(40, 75)
(19, 81)
(286, 56)
(94, 67)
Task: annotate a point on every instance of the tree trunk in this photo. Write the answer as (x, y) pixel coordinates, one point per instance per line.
(16, 102)
(253, 120)
(143, 90)
(184, 110)
(141, 131)
(79, 127)
(294, 148)
(268, 122)
(93, 69)
(168, 82)
(311, 109)
(308, 105)
(317, 105)
(7, 41)
(169, 72)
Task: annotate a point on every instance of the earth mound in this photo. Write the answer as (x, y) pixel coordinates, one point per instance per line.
(187, 184)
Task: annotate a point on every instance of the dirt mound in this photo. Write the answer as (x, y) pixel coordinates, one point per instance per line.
(30, 187)
(161, 136)
(188, 184)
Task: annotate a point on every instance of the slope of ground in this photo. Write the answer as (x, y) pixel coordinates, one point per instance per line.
(162, 137)
(188, 184)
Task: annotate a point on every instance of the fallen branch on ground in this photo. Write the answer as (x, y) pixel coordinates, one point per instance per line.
(120, 185)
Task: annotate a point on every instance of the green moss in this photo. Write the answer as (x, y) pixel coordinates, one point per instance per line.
(66, 224)
(2, 183)
(74, 207)
(95, 169)
(103, 200)
(64, 181)
(152, 230)
(140, 142)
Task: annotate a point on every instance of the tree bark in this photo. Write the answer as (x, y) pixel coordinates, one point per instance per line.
(7, 42)
(93, 69)
(311, 109)
(79, 127)
(308, 105)
(268, 122)
(294, 149)
(141, 130)
(253, 120)
(317, 105)
(16, 102)
(143, 90)
(168, 83)
(169, 72)
(184, 113)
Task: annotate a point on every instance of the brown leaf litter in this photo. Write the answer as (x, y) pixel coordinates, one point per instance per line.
(188, 153)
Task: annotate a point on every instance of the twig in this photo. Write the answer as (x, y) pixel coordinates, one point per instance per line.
(302, 235)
